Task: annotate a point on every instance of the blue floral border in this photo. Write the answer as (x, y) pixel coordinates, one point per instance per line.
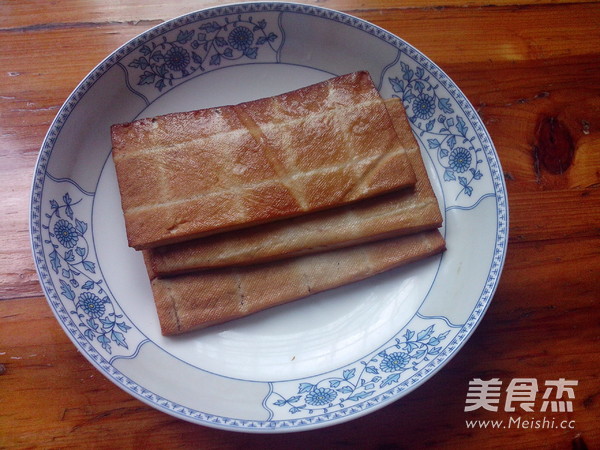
(172, 57)
(434, 120)
(74, 264)
(325, 417)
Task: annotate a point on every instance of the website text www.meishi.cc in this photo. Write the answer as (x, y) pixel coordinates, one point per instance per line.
(544, 423)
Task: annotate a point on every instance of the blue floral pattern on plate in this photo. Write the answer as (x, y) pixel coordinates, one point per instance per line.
(357, 383)
(164, 60)
(447, 134)
(73, 264)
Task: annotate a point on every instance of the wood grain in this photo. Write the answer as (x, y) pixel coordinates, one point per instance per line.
(521, 63)
(26, 15)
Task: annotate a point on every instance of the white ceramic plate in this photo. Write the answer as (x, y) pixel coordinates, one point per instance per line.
(316, 362)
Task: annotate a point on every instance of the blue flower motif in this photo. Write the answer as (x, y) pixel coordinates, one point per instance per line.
(92, 304)
(394, 362)
(460, 159)
(66, 233)
(240, 38)
(320, 396)
(177, 58)
(423, 106)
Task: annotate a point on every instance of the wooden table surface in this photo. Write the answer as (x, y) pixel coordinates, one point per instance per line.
(532, 70)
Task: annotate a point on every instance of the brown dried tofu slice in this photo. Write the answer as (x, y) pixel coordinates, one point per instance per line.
(186, 175)
(198, 300)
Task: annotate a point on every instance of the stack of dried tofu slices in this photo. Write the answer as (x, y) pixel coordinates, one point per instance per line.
(244, 207)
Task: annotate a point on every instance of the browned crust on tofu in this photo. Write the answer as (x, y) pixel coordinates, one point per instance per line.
(199, 300)
(388, 215)
(192, 174)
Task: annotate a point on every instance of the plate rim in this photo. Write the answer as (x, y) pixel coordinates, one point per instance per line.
(98, 71)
